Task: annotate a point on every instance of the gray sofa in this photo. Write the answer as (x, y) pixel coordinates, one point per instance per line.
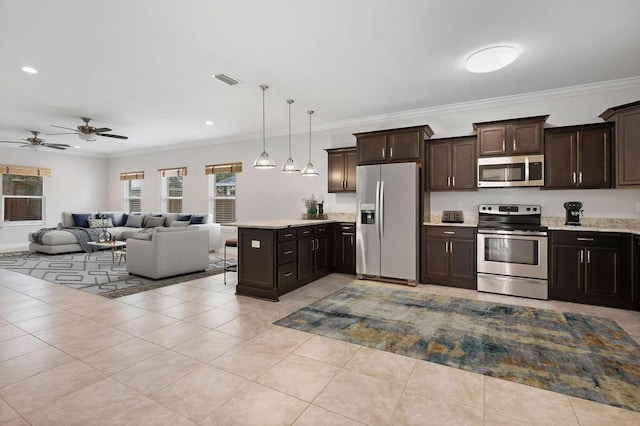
(61, 241)
(168, 252)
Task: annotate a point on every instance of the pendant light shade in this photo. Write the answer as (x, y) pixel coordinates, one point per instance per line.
(290, 166)
(264, 161)
(309, 169)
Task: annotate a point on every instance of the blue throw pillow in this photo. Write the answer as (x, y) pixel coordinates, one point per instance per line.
(81, 219)
(196, 220)
(124, 219)
(184, 217)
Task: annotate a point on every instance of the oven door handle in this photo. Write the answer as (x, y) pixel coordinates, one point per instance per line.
(510, 233)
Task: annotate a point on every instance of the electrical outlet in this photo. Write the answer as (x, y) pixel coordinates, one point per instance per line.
(637, 207)
(459, 206)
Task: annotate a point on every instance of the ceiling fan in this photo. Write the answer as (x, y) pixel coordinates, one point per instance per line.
(88, 133)
(35, 143)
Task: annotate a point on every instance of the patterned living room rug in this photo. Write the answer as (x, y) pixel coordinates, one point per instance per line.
(97, 273)
(580, 355)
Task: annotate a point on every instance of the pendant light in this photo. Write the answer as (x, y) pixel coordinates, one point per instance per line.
(309, 169)
(264, 161)
(290, 166)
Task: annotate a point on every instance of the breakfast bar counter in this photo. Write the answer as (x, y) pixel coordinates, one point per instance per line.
(278, 256)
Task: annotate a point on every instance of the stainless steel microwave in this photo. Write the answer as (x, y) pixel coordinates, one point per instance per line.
(521, 170)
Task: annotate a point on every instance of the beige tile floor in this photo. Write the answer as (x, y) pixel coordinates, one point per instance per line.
(194, 353)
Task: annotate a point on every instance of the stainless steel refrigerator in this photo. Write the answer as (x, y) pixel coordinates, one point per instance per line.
(387, 225)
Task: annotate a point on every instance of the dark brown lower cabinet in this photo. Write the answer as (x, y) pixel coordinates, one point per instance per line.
(449, 256)
(345, 252)
(591, 267)
(273, 262)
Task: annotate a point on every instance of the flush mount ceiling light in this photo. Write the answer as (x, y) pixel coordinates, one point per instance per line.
(209, 123)
(491, 59)
(290, 166)
(264, 161)
(30, 70)
(309, 169)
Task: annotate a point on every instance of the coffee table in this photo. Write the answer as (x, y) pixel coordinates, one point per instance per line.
(113, 245)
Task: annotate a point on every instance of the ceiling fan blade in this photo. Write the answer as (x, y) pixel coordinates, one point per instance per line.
(102, 130)
(112, 136)
(10, 142)
(50, 134)
(62, 127)
(54, 145)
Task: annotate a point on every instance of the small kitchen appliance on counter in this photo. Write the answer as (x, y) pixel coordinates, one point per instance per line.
(574, 208)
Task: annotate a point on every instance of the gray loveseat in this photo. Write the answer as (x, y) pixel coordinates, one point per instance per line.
(61, 241)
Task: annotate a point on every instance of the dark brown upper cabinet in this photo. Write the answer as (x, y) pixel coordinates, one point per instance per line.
(342, 164)
(578, 157)
(452, 164)
(627, 142)
(392, 146)
(517, 136)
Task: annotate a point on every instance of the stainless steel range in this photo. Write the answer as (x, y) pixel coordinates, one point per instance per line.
(512, 250)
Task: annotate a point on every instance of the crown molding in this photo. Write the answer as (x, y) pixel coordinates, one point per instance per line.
(583, 89)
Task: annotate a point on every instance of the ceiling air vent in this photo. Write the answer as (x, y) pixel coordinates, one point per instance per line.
(226, 79)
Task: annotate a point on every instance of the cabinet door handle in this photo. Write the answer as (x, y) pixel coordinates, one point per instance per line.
(305, 232)
(588, 256)
(514, 144)
(584, 239)
(288, 274)
(313, 245)
(446, 246)
(449, 232)
(391, 153)
(288, 235)
(317, 244)
(453, 181)
(346, 228)
(448, 180)
(581, 256)
(288, 252)
(504, 147)
(343, 185)
(384, 154)
(352, 239)
(580, 177)
(450, 247)
(573, 177)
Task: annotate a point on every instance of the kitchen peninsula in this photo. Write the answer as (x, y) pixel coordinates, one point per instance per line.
(276, 257)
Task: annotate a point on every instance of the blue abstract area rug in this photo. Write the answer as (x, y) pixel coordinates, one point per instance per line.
(97, 273)
(580, 355)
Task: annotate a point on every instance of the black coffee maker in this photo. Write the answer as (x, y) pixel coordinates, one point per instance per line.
(574, 208)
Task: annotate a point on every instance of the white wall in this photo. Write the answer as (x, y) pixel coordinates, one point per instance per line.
(77, 183)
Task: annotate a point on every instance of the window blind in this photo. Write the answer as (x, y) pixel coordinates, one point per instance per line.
(172, 171)
(212, 169)
(24, 170)
(132, 176)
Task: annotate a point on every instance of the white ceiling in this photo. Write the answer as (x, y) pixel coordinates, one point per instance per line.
(143, 68)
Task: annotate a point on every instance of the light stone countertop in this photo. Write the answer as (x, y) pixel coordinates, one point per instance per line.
(281, 223)
(596, 224)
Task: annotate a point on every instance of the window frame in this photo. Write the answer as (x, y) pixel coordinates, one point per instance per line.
(213, 197)
(43, 209)
(127, 197)
(165, 193)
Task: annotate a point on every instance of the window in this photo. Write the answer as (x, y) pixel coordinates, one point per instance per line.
(172, 186)
(222, 191)
(132, 191)
(22, 193)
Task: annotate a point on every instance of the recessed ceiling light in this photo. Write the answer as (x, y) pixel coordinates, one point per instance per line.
(491, 59)
(30, 70)
(209, 123)
(77, 146)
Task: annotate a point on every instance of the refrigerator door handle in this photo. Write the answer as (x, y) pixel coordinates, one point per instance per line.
(377, 210)
(381, 210)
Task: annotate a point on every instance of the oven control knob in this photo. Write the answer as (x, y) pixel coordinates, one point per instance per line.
(535, 209)
(529, 209)
(484, 208)
(489, 208)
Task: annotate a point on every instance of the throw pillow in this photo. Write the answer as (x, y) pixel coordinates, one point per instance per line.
(196, 220)
(124, 219)
(100, 223)
(134, 221)
(179, 224)
(154, 221)
(183, 217)
(81, 219)
(107, 216)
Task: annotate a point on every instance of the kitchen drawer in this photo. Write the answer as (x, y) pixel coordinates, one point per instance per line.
(286, 252)
(589, 239)
(288, 234)
(305, 232)
(322, 229)
(287, 274)
(348, 227)
(451, 232)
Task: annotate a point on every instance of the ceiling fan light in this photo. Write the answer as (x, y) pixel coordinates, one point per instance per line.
(309, 170)
(87, 137)
(491, 59)
(264, 162)
(30, 70)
